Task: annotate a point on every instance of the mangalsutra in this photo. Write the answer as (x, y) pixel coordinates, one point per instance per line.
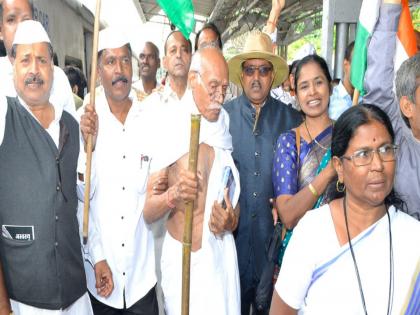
(391, 262)
(312, 139)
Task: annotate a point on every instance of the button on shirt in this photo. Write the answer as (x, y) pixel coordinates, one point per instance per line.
(117, 231)
(253, 155)
(61, 95)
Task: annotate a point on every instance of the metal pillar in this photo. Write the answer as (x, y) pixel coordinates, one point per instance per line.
(340, 48)
(327, 30)
(352, 32)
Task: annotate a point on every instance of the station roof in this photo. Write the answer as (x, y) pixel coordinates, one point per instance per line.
(235, 17)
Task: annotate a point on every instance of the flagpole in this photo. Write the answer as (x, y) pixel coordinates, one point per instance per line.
(189, 206)
(89, 140)
(356, 96)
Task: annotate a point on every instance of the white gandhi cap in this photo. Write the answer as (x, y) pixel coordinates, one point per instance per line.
(30, 32)
(110, 38)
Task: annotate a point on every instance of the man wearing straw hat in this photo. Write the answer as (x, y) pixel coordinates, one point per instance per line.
(39, 146)
(256, 120)
(121, 270)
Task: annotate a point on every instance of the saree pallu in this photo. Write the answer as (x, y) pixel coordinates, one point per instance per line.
(312, 160)
(325, 281)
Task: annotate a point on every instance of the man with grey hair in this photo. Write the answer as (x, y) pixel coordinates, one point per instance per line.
(404, 108)
(214, 271)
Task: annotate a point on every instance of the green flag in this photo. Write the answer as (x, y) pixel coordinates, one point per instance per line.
(180, 13)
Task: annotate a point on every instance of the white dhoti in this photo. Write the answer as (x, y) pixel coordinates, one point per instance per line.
(214, 278)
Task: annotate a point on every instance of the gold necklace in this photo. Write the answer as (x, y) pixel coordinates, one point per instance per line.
(312, 139)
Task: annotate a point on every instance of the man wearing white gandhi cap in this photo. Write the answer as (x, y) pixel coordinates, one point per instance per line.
(39, 147)
(121, 271)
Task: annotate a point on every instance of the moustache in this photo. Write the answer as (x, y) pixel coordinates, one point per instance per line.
(213, 106)
(34, 78)
(121, 78)
(256, 84)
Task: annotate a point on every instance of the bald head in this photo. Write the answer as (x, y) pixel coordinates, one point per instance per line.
(208, 79)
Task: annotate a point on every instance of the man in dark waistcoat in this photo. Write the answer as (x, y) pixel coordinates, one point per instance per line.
(39, 146)
(256, 120)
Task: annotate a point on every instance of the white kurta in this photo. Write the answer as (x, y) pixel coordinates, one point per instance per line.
(318, 275)
(117, 230)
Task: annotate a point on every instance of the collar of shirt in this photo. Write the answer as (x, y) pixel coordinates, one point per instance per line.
(169, 95)
(138, 85)
(102, 106)
(54, 127)
(251, 107)
(342, 92)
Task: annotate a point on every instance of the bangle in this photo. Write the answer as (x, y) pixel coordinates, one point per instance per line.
(271, 22)
(313, 190)
(168, 202)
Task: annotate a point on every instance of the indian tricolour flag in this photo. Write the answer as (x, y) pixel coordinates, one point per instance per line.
(406, 40)
(180, 13)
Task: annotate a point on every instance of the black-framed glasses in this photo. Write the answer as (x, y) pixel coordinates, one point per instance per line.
(262, 70)
(386, 152)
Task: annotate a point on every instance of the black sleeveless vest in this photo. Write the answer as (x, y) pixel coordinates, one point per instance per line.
(40, 245)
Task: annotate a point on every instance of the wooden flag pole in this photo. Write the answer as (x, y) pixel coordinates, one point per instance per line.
(89, 144)
(189, 206)
(356, 97)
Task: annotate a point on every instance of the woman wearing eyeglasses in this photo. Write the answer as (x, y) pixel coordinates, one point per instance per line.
(359, 253)
(301, 168)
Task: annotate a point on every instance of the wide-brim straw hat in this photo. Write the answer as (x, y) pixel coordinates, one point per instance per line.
(258, 45)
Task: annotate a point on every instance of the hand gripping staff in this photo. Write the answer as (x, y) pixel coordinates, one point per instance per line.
(189, 206)
(89, 142)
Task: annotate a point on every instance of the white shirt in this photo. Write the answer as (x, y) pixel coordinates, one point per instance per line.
(61, 94)
(53, 129)
(165, 96)
(117, 230)
(138, 85)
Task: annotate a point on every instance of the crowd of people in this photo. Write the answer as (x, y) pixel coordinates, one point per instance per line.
(343, 180)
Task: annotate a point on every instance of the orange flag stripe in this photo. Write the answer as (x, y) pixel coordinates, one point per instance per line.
(406, 33)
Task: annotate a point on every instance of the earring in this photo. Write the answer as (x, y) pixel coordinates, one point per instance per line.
(340, 186)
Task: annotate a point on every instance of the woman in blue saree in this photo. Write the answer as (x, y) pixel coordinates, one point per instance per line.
(301, 168)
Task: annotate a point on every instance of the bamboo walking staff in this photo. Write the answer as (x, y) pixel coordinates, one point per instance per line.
(356, 95)
(90, 140)
(189, 206)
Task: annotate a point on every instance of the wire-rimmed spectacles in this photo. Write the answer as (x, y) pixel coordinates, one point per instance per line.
(386, 152)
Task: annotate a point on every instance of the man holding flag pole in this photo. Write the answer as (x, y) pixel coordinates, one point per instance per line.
(386, 46)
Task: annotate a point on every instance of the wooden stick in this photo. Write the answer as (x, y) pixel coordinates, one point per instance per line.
(89, 144)
(189, 206)
(356, 97)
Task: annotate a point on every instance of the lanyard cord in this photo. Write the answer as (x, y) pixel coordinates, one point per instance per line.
(391, 262)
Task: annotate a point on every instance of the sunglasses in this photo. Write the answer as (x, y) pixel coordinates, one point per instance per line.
(262, 70)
